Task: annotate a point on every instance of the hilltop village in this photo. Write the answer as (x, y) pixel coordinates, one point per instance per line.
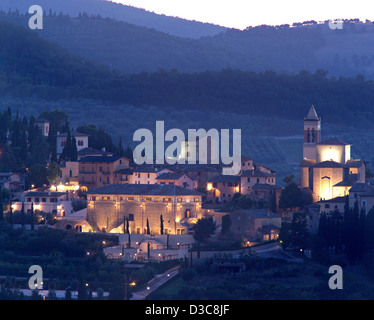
(98, 191)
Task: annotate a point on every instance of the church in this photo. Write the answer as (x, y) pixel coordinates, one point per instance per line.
(327, 168)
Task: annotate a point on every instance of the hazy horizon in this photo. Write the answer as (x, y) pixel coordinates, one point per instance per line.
(240, 14)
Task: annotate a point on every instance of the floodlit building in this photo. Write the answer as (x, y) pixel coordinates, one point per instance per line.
(111, 205)
(327, 168)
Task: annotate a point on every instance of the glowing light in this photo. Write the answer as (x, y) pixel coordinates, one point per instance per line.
(209, 186)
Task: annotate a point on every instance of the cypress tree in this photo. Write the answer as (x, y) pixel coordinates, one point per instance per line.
(1, 211)
(120, 150)
(23, 215)
(11, 215)
(32, 215)
(1, 207)
(148, 229)
(74, 151)
(161, 225)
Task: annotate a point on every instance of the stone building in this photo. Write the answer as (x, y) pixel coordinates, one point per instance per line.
(109, 206)
(327, 168)
(98, 171)
(255, 224)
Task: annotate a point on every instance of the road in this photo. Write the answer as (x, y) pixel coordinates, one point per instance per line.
(155, 283)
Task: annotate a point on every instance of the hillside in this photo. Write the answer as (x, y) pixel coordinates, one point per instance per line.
(284, 49)
(107, 9)
(36, 75)
(31, 66)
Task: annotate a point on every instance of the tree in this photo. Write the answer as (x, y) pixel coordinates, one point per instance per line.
(293, 197)
(289, 179)
(11, 214)
(285, 235)
(120, 150)
(299, 230)
(37, 175)
(74, 149)
(53, 172)
(351, 233)
(23, 215)
(161, 225)
(1, 211)
(124, 224)
(68, 295)
(203, 229)
(226, 223)
(290, 197)
(129, 153)
(148, 229)
(32, 215)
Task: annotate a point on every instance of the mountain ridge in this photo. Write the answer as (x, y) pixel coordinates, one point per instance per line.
(137, 16)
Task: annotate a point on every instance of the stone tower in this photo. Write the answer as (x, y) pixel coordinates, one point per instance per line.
(312, 134)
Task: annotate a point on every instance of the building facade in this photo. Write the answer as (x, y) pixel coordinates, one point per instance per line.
(327, 168)
(98, 171)
(143, 205)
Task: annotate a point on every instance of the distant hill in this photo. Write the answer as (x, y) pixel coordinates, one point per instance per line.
(140, 17)
(31, 66)
(284, 49)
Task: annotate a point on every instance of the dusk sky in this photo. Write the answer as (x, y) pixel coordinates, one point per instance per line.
(242, 13)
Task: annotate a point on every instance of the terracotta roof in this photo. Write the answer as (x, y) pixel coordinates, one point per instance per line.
(349, 181)
(99, 159)
(145, 189)
(258, 213)
(312, 114)
(334, 142)
(257, 173)
(352, 163)
(225, 178)
(44, 194)
(265, 186)
(362, 187)
(73, 134)
(333, 200)
(92, 151)
(170, 176)
(329, 164)
(307, 163)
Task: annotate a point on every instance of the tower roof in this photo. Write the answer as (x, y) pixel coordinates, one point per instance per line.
(312, 115)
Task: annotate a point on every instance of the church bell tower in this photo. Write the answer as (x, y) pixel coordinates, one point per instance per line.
(312, 134)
